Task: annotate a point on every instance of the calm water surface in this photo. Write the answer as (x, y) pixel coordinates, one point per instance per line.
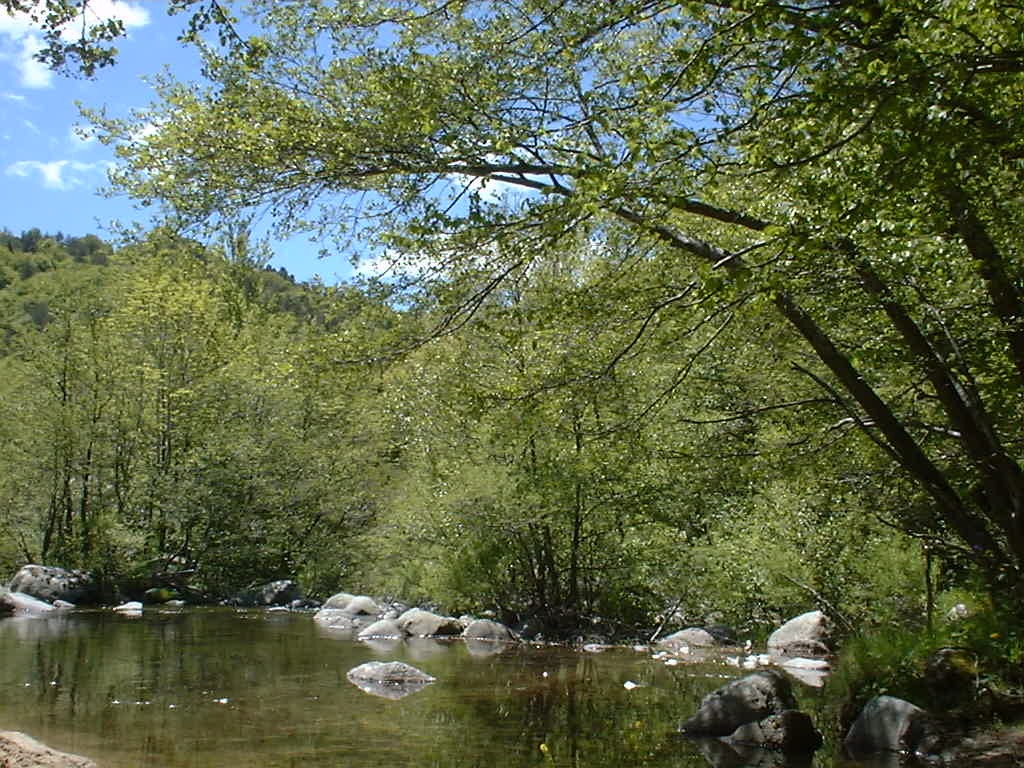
(215, 687)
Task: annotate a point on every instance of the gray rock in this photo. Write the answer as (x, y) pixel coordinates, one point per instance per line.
(381, 630)
(691, 637)
(339, 601)
(21, 604)
(20, 751)
(807, 635)
(420, 623)
(389, 672)
(131, 607)
(50, 583)
(361, 605)
(485, 629)
(886, 724)
(389, 679)
(332, 618)
(789, 731)
(747, 700)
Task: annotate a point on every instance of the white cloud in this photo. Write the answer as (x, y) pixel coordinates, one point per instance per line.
(32, 127)
(34, 74)
(59, 175)
(20, 41)
(13, 97)
(81, 137)
(393, 265)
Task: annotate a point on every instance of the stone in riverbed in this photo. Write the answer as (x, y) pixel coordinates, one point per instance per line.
(388, 679)
(485, 629)
(49, 583)
(747, 700)
(789, 731)
(21, 604)
(420, 623)
(385, 629)
(338, 602)
(20, 751)
(691, 637)
(807, 635)
(886, 724)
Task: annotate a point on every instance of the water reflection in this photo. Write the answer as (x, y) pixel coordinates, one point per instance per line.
(204, 687)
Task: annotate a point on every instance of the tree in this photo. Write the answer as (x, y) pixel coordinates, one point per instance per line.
(851, 163)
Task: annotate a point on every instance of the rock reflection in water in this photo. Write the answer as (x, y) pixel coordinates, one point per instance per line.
(392, 691)
(719, 754)
(484, 648)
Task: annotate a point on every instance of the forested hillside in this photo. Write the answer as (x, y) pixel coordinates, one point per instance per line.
(179, 413)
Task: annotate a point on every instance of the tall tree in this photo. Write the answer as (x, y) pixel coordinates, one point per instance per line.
(854, 161)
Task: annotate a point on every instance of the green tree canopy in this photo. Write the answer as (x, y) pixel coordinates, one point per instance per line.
(857, 164)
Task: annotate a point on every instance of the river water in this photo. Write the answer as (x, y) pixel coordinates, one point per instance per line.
(217, 687)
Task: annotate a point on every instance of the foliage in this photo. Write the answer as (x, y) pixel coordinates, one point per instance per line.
(175, 423)
(979, 676)
(848, 170)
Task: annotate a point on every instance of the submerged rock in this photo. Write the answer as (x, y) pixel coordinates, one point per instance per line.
(20, 751)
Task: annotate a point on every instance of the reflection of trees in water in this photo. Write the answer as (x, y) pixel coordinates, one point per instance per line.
(224, 688)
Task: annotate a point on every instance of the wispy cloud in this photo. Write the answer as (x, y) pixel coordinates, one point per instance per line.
(81, 137)
(20, 40)
(60, 175)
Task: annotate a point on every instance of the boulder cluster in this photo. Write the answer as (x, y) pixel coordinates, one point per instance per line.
(369, 621)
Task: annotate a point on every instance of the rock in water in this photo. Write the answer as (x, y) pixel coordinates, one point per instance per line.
(886, 724)
(420, 623)
(790, 731)
(691, 637)
(383, 629)
(747, 700)
(486, 629)
(24, 605)
(389, 679)
(809, 634)
(20, 751)
(49, 583)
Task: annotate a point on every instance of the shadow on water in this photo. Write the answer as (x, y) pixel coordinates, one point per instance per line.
(210, 687)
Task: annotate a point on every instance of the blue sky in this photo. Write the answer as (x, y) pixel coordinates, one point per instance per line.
(50, 174)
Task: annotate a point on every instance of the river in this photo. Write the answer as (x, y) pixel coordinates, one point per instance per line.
(219, 687)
